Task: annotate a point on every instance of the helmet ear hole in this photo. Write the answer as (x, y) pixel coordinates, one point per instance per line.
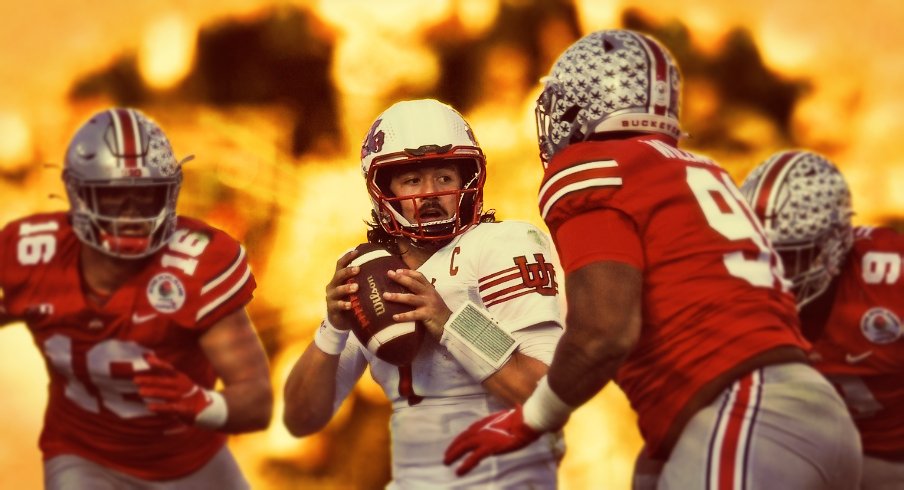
(571, 113)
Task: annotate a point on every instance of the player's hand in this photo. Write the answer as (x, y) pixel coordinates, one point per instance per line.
(427, 305)
(337, 291)
(173, 392)
(498, 433)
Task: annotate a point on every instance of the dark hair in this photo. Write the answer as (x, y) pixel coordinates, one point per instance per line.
(377, 235)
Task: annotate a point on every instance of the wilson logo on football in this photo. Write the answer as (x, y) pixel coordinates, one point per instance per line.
(378, 307)
(359, 312)
(541, 276)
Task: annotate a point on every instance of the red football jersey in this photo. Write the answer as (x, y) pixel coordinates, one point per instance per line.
(860, 348)
(92, 351)
(713, 296)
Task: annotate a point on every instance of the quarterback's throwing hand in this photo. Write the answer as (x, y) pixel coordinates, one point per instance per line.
(498, 433)
(173, 392)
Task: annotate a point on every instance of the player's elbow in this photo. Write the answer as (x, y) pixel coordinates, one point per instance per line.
(301, 420)
(304, 413)
(605, 339)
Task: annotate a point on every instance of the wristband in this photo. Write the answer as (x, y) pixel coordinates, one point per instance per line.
(214, 415)
(476, 341)
(544, 410)
(330, 339)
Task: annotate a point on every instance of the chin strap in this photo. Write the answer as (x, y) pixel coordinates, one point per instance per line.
(124, 244)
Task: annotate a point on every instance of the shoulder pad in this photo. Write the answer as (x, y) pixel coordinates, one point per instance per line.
(203, 276)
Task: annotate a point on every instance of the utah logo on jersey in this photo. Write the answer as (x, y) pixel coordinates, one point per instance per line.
(541, 275)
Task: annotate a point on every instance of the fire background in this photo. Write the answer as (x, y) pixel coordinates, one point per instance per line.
(274, 97)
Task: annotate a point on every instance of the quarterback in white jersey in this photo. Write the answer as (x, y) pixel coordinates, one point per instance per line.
(466, 273)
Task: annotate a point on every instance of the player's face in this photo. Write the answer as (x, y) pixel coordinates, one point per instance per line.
(125, 202)
(416, 180)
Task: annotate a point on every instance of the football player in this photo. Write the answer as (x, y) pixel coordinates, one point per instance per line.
(137, 312)
(672, 291)
(486, 292)
(849, 296)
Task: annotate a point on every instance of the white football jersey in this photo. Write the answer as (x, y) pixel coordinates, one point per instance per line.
(506, 268)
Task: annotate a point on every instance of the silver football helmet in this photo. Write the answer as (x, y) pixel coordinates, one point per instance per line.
(122, 181)
(611, 80)
(422, 131)
(804, 204)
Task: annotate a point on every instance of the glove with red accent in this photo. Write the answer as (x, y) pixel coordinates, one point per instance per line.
(176, 394)
(498, 433)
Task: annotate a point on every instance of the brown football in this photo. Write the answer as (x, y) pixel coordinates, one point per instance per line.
(371, 315)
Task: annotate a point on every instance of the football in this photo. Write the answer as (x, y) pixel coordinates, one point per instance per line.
(371, 315)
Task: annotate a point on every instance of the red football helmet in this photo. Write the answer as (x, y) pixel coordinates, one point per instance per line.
(804, 204)
(612, 80)
(422, 131)
(122, 181)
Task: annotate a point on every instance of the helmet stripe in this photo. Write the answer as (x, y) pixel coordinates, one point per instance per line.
(128, 137)
(763, 197)
(659, 73)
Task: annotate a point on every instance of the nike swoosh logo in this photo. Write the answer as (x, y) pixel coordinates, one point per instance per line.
(851, 359)
(136, 318)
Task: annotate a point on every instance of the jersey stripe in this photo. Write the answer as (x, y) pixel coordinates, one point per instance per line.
(510, 297)
(502, 292)
(505, 271)
(502, 286)
(225, 296)
(222, 277)
(561, 174)
(577, 186)
(574, 178)
(486, 285)
(729, 447)
(863, 232)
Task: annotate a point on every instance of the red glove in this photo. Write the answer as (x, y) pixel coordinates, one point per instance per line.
(175, 393)
(498, 433)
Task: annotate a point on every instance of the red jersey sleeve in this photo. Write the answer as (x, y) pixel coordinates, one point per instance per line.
(221, 280)
(577, 185)
(598, 235)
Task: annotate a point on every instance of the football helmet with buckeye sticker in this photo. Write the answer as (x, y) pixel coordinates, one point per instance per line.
(804, 204)
(610, 80)
(122, 181)
(422, 131)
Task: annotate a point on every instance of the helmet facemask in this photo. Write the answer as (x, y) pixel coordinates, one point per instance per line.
(811, 265)
(468, 198)
(545, 122)
(130, 221)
